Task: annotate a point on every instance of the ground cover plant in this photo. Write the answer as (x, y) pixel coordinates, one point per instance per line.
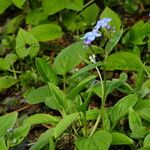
(74, 74)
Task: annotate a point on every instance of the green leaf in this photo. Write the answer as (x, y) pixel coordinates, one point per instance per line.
(83, 107)
(18, 134)
(135, 124)
(115, 22)
(3, 144)
(38, 95)
(110, 85)
(73, 104)
(46, 71)
(145, 103)
(131, 7)
(143, 92)
(11, 58)
(7, 122)
(114, 39)
(144, 113)
(137, 33)
(58, 95)
(52, 103)
(115, 83)
(69, 58)
(125, 88)
(43, 140)
(27, 78)
(4, 5)
(64, 124)
(4, 64)
(19, 3)
(123, 61)
(73, 4)
(90, 18)
(12, 25)
(52, 7)
(146, 84)
(52, 145)
(101, 140)
(46, 32)
(34, 17)
(120, 139)
(139, 79)
(41, 119)
(147, 141)
(122, 106)
(145, 148)
(105, 120)
(143, 109)
(86, 144)
(26, 44)
(72, 21)
(92, 114)
(6, 82)
(80, 86)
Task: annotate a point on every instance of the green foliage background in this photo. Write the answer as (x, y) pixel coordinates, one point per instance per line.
(44, 63)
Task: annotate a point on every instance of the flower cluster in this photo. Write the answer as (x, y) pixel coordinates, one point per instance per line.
(90, 36)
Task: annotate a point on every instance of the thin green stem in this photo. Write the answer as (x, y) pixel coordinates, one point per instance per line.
(103, 97)
(85, 125)
(11, 70)
(102, 112)
(75, 131)
(101, 80)
(85, 6)
(96, 124)
(14, 72)
(102, 105)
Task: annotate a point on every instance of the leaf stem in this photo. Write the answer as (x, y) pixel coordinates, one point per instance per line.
(85, 124)
(14, 72)
(85, 6)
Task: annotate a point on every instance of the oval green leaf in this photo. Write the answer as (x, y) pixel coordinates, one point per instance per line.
(46, 32)
(69, 58)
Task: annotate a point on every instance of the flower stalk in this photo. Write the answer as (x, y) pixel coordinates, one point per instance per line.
(88, 38)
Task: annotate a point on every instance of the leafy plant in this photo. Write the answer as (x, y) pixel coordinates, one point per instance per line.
(94, 89)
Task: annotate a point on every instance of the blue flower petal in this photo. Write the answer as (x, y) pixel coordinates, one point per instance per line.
(102, 23)
(90, 36)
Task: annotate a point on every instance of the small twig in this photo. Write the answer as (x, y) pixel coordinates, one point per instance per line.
(30, 144)
(47, 126)
(23, 108)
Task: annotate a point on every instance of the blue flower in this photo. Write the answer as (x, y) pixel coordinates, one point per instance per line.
(103, 23)
(90, 36)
